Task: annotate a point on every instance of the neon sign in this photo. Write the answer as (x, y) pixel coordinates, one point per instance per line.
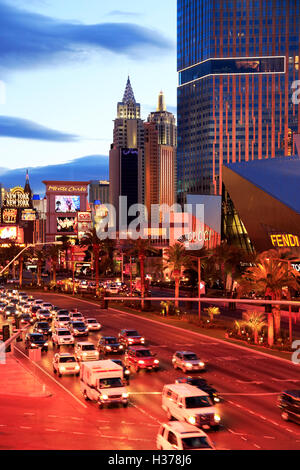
(283, 240)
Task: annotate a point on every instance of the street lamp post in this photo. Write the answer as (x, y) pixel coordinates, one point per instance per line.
(199, 258)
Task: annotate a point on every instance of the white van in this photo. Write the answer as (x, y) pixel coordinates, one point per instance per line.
(187, 403)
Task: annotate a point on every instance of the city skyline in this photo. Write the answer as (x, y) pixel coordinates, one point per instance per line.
(60, 98)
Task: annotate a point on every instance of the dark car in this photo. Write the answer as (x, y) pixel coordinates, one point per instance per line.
(61, 311)
(34, 309)
(26, 318)
(139, 357)
(109, 344)
(78, 328)
(126, 371)
(10, 311)
(42, 327)
(289, 403)
(202, 385)
(2, 306)
(36, 340)
(130, 337)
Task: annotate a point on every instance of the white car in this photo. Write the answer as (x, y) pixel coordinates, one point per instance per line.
(64, 363)
(43, 314)
(61, 321)
(182, 436)
(187, 361)
(76, 316)
(86, 351)
(62, 337)
(48, 306)
(38, 302)
(93, 324)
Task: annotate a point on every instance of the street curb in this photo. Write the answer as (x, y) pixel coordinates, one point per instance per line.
(244, 348)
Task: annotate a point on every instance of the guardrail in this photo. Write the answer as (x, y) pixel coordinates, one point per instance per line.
(294, 303)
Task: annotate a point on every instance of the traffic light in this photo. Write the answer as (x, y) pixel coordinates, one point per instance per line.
(6, 336)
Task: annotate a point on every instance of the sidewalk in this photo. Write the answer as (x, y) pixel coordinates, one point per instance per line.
(16, 380)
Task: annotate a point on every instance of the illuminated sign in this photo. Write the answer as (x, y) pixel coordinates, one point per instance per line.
(9, 216)
(283, 240)
(84, 216)
(28, 215)
(67, 203)
(8, 233)
(296, 266)
(66, 224)
(17, 198)
(67, 189)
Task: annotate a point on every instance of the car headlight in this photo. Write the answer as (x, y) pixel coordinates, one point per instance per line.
(216, 399)
(105, 397)
(46, 344)
(156, 361)
(62, 368)
(108, 347)
(77, 367)
(217, 418)
(141, 362)
(120, 346)
(127, 372)
(192, 420)
(188, 364)
(84, 354)
(142, 339)
(125, 395)
(201, 364)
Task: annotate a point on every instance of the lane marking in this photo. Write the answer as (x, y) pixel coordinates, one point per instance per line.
(249, 382)
(52, 378)
(285, 380)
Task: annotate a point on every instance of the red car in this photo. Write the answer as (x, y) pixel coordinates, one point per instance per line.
(139, 357)
(130, 337)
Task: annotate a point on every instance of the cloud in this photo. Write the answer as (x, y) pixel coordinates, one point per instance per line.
(92, 167)
(24, 129)
(28, 39)
(123, 13)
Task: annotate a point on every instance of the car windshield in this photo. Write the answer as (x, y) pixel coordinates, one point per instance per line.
(132, 333)
(113, 382)
(197, 442)
(197, 382)
(43, 325)
(44, 312)
(34, 309)
(190, 357)
(63, 312)
(47, 305)
(77, 315)
(63, 318)
(91, 320)
(143, 353)
(10, 309)
(110, 341)
(197, 402)
(67, 359)
(88, 347)
(36, 338)
(78, 324)
(63, 333)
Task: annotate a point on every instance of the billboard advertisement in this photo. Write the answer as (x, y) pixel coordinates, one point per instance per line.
(8, 233)
(9, 216)
(66, 224)
(28, 215)
(67, 204)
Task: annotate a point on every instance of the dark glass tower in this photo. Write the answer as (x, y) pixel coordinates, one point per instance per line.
(237, 60)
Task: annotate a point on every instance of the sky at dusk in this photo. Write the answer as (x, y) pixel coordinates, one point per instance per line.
(64, 64)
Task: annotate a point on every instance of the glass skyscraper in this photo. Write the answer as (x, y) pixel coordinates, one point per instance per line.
(237, 60)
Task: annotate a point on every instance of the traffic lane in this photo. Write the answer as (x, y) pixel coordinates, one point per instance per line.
(143, 384)
(115, 420)
(53, 424)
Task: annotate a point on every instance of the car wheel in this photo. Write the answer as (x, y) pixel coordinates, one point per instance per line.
(170, 417)
(184, 370)
(136, 369)
(85, 396)
(175, 366)
(285, 415)
(100, 405)
(125, 405)
(54, 370)
(77, 375)
(59, 374)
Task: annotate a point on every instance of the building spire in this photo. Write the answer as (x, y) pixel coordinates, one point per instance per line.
(161, 102)
(128, 94)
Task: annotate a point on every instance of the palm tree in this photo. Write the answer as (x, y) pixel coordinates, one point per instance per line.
(267, 278)
(142, 248)
(177, 259)
(41, 255)
(212, 311)
(92, 240)
(256, 321)
(53, 254)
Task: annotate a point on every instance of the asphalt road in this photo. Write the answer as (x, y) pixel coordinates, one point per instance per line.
(248, 381)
